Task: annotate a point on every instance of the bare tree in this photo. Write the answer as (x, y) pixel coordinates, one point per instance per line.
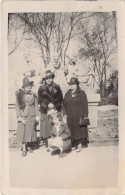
(65, 29)
(114, 22)
(16, 31)
(99, 46)
(49, 29)
(40, 25)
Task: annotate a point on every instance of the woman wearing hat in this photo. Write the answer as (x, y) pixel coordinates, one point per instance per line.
(49, 96)
(27, 115)
(75, 109)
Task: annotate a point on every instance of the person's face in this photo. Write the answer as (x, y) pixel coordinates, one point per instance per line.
(73, 87)
(49, 81)
(56, 63)
(55, 120)
(27, 88)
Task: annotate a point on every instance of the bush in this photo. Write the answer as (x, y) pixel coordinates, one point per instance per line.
(111, 90)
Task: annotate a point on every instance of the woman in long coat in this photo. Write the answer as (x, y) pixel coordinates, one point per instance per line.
(49, 96)
(27, 115)
(75, 108)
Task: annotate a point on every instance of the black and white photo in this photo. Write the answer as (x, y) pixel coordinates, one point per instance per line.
(63, 99)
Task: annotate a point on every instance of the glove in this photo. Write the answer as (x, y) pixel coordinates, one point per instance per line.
(65, 118)
(50, 105)
(24, 121)
(37, 118)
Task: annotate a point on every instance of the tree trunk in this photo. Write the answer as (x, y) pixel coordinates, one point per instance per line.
(47, 56)
(102, 89)
(104, 83)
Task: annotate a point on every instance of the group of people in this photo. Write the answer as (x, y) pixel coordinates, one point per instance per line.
(63, 118)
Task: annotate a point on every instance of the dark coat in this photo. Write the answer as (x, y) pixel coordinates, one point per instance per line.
(47, 95)
(65, 134)
(75, 108)
(45, 125)
(27, 111)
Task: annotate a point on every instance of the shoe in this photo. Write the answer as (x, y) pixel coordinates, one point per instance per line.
(62, 155)
(79, 149)
(29, 149)
(24, 153)
(74, 148)
(41, 143)
(55, 152)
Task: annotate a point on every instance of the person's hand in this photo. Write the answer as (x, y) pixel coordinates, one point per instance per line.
(37, 118)
(50, 105)
(24, 121)
(19, 119)
(65, 118)
(51, 112)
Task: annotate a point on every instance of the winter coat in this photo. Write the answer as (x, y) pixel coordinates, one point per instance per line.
(75, 108)
(27, 109)
(65, 135)
(50, 94)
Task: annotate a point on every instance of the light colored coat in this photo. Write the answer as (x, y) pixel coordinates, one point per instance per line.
(27, 133)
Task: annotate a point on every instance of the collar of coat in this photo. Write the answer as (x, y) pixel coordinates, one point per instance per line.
(20, 94)
(78, 90)
(46, 87)
(53, 84)
(30, 92)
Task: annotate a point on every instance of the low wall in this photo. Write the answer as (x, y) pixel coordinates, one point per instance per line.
(93, 101)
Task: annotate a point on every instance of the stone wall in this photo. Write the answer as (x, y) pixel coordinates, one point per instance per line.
(93, 103)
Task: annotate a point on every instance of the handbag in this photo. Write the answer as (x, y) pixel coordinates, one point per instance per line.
(84, 122)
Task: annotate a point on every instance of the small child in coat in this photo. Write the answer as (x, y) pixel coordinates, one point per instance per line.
(60, 142)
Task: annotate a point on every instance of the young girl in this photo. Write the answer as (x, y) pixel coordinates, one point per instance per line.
(60, 142)
(27, 115)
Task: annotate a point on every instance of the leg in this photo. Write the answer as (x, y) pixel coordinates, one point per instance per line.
(24, 150)
(29, 147)
(78, 145)
(46, 142)
(84, 142)
(56, 151)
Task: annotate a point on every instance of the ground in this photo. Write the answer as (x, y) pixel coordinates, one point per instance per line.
(94, 167)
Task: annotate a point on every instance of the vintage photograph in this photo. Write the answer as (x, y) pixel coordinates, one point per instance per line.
(63, 99)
